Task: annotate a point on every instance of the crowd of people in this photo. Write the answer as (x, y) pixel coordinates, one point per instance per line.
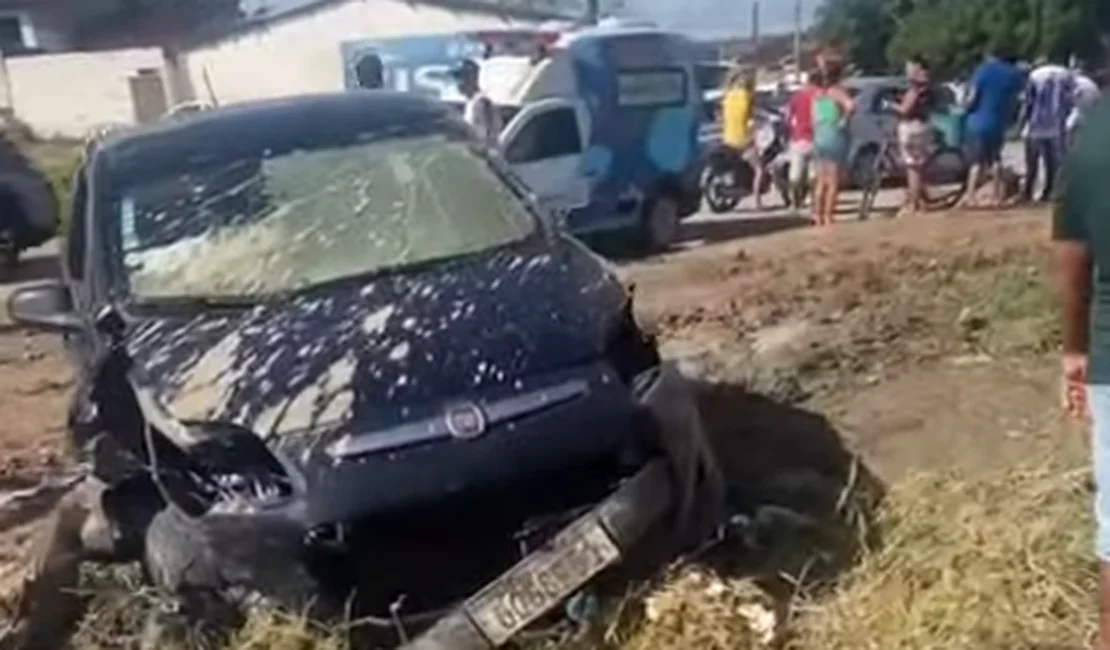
(1047, 102)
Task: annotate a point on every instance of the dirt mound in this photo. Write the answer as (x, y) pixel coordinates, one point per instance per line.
(845, 305)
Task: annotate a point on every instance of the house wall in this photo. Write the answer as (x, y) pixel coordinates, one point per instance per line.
(70, 94)
(302, 55)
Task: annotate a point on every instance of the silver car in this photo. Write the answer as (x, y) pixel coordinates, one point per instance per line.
(875, 120)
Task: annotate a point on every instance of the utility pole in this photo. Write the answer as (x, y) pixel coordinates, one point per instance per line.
(593, 11)
(755, 25)
(798, 41)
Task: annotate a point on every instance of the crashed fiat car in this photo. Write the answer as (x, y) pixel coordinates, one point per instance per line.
(328, 348)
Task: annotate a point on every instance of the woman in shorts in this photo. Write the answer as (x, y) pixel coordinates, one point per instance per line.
(915, 132)
(832, 106)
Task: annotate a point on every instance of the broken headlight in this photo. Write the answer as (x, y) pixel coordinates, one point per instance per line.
(630, 351)
(227, 465)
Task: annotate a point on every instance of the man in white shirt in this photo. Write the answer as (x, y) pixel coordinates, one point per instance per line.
(479, 112)
(1049, 102)
(1087, 94)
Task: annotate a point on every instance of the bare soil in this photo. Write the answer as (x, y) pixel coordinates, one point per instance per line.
(924, 343)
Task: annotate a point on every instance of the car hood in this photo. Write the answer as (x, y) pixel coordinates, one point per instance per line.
(365, 355)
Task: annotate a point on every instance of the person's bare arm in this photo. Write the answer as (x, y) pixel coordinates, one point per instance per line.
(1073, 266)
(847, 104)
(907, 102)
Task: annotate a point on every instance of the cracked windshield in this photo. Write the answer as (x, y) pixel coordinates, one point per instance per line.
(281, 223)
(555, 324)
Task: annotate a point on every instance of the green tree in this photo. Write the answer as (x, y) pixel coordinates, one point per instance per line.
(863, 28)
(953, 35)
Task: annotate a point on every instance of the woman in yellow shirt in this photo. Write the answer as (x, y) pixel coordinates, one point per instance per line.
(736, 124)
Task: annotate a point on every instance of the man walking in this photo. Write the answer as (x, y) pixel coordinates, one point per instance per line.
(992, 96)
(1049, 101)
(479, 112)
(1087, 95)
(799, 123)
(1081, 229)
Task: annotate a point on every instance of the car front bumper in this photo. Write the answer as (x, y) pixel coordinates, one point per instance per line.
(248, 544)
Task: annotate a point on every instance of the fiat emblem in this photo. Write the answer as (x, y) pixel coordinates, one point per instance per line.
(465, 421)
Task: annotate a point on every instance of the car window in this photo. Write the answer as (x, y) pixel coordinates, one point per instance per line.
(710, 76)
(885, 98)
(77, 234)
(549, 134)
(281, 223)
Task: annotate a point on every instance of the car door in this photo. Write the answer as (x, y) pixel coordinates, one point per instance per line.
(544, 144)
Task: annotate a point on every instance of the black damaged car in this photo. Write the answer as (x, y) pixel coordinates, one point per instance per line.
(328, 347)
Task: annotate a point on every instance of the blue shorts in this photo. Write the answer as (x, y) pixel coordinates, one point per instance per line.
(1099, 398)
(985, 149)
(831, 148)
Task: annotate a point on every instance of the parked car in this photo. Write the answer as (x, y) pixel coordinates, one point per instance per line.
(875, 120)
(317, 337)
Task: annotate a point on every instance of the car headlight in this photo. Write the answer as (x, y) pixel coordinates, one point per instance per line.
(228, 464)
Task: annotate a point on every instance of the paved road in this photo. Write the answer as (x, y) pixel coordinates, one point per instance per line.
(707, 227)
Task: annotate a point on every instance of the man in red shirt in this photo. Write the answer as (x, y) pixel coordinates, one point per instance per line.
(799, 121)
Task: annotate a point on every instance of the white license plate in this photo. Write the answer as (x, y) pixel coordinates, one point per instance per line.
(542, 580)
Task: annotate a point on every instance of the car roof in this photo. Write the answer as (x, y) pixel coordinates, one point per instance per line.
(283, 122)
(610, 30)
(867, 82)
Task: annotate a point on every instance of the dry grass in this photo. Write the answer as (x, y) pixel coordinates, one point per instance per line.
(995, 563)
(998, 563)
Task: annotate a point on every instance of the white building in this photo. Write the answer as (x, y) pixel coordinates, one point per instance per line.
(62, 92)
(300, 51)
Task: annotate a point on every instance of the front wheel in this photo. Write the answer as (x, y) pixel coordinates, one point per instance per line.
(660, 223)
(944, 179)
(719, 191)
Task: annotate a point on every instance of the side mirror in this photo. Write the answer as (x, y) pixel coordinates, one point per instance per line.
(44, 306)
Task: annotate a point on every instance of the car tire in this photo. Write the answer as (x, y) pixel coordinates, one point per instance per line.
(28, 188)
(659, 227)
(718, 195)
(947, 167)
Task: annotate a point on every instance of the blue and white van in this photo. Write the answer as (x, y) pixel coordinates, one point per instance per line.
(603, 129)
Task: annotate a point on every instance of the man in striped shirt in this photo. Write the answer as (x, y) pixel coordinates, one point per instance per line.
(1049, 102)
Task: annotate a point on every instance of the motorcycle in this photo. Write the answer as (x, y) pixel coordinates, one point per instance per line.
(727, 178)
(28, 207)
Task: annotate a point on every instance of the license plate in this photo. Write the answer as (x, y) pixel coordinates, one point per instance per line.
(542, 580)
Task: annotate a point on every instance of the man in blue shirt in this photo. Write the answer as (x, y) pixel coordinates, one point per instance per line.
(992, 99)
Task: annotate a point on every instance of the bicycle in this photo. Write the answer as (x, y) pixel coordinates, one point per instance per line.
(944, 175)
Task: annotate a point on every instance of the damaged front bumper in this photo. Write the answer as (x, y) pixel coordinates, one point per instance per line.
(542, 580)
(261, 550)
(599, 539)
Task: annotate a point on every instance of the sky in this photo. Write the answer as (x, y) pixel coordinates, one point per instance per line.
(716, 17)
(703, 17)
